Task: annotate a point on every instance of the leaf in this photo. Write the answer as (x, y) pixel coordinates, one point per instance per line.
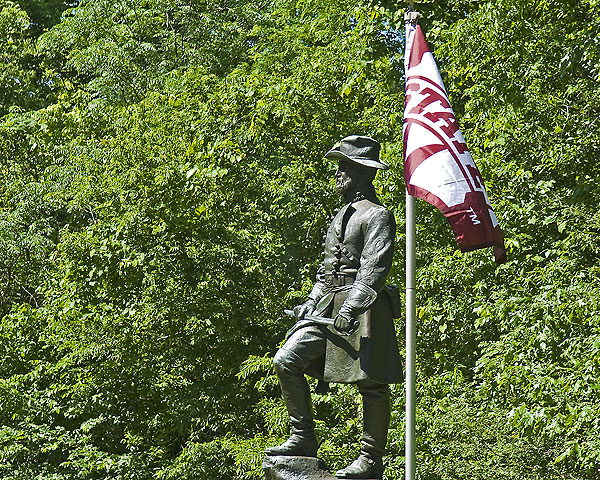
(191, 172)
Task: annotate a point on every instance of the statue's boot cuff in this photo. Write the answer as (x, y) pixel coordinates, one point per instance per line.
(363, 468)
(296, 446)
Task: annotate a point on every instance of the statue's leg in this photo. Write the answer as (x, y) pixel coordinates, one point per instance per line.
(376, 420)
(304, 347)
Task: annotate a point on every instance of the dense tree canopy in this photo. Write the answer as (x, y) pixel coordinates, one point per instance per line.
(164, 196)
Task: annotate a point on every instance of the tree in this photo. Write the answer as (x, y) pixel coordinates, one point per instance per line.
(165, 196)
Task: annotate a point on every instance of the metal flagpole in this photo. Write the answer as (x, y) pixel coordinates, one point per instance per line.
(411, 337)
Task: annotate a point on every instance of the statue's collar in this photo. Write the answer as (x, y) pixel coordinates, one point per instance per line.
(358, 196)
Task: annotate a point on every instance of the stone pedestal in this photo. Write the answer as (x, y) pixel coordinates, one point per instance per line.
(295, 468)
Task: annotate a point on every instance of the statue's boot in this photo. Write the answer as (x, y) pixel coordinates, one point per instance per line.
(296, 395)
(362, 468)
(295, 446)
(376, 420)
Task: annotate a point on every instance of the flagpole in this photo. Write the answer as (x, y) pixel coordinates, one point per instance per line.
(411, 336)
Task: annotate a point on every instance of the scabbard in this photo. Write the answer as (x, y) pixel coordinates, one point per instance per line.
(308, 320)
(316, 319)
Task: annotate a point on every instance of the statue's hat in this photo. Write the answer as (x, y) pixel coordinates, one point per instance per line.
(358, 149)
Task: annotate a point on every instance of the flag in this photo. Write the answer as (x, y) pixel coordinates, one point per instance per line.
(437, 164)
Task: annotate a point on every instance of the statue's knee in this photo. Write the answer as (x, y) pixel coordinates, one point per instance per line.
(374, 390)
(284, 361)
(280, 361)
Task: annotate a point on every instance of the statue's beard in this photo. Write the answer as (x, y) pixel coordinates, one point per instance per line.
(343, 185)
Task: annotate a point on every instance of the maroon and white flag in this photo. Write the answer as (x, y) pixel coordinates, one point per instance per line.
(437, 164)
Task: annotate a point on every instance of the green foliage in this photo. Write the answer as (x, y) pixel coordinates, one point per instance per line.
(164, 196)
(15, 76)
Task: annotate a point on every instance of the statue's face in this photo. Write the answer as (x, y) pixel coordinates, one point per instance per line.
(345, 176)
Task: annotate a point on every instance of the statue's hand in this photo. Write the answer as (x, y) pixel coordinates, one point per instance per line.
(306, 308)
(345, 325)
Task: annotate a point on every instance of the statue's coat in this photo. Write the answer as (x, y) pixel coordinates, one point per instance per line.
(359, 245)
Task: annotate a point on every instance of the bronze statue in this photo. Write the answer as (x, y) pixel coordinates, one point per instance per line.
(359, 346)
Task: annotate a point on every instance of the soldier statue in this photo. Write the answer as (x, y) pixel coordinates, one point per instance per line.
(359, 346)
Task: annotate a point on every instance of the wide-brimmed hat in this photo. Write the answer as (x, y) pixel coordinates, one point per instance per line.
(358, 149)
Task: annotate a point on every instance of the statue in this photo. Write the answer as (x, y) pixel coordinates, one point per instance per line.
(345, 331)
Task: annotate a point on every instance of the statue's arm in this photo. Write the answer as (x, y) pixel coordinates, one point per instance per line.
(317, 290)
(375, 263)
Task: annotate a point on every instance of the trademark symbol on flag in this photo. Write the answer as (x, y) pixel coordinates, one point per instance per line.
(473, 216)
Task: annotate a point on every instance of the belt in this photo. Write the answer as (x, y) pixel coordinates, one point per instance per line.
(338, 279)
